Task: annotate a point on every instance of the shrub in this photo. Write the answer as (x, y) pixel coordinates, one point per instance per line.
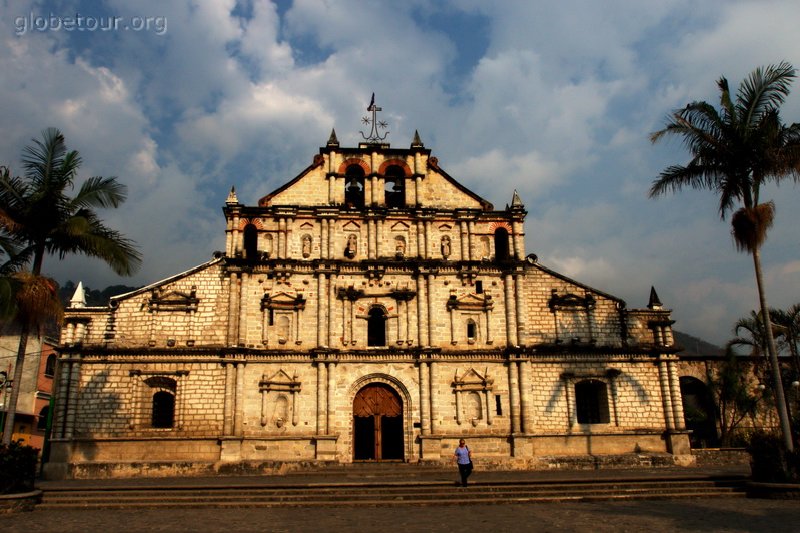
(17, 467)
(769, 460)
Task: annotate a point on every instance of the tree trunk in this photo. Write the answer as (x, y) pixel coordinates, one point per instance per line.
(11, 408)
(780, 399)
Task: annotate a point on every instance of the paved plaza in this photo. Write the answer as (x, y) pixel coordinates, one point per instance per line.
(724, 514)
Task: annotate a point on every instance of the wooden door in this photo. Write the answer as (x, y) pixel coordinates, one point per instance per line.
(377, 424)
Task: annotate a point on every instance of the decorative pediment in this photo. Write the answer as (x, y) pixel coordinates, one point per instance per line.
(279, 381)
(351, 225)
(470, 302)
(472, 380)
(283, 301)
(399, 226)
(570, 301)
(170, 301)
(445, 227)
(306, 225)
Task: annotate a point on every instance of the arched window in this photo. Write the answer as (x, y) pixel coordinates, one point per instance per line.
(250, 242)
(591, 402)
(501, 244)
(41, 424)
(163, 409)
(376, 327)
(354, 187)
(395, 186)
(50, 366)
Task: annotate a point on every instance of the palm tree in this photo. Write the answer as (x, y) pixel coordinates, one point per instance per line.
(735, 150)
(39, 217)
(787, 325)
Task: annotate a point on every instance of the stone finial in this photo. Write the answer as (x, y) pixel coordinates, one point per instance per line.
(232, 199)
(78, 299)
(417, 142)
(333, 142)
(516, 201)
(654, 303)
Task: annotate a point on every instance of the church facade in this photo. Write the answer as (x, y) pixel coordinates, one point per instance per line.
(370, 309)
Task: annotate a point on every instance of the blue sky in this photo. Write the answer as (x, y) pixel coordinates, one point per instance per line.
(183, 99)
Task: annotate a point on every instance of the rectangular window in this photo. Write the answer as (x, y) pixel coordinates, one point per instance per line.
(479, 287)
(498, 405)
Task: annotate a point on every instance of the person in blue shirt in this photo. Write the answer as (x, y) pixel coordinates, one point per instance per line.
(463, 458)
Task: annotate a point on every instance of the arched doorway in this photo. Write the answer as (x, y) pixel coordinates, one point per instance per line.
(377, 424)
(699, 412)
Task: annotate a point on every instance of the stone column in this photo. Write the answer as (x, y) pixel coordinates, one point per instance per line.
(513, 396)
(421, 239)
(427, 239)
(421, 307)
(464, 240)
(228, 406)
(675, 396)
(329, 407)
(417, 189)
(424, 398)
(429, 311)
(238, 413)
(434, 396)
(525, 396)
(287, 238)
(518, 303)
(330, 308)
(519, 244)
(323, 238)
(321, 422)
(666, 400)
(233, 310)
(320, 308)
(73, 399)
(472, 240)
(511, 337)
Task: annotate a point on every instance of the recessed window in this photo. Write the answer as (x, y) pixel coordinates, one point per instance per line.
(41, 424)
(472, 330)
(50, 366)
(478, 287)
(591, 401)
(163, 409)
(498, 405)
(376, 327)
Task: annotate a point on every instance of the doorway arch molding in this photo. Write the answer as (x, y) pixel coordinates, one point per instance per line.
(401, 390)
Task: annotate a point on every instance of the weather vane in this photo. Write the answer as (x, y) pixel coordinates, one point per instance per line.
(374, 136)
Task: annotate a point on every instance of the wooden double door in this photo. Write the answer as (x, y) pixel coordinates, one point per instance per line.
(377, 424)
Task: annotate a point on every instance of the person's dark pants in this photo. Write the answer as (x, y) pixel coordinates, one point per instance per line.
(465, 471)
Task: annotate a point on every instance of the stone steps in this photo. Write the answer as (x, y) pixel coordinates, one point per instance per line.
(383, 494)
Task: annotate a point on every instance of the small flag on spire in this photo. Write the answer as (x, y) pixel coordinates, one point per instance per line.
(371, 102)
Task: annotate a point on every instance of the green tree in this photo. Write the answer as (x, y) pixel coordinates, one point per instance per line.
(734, 151)
(39, 217)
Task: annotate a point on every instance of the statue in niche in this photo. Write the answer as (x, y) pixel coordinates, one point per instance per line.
(485, 248)
(352, 246)
(306, 245)
(446, 249)
(399, 247)
(268, 245)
